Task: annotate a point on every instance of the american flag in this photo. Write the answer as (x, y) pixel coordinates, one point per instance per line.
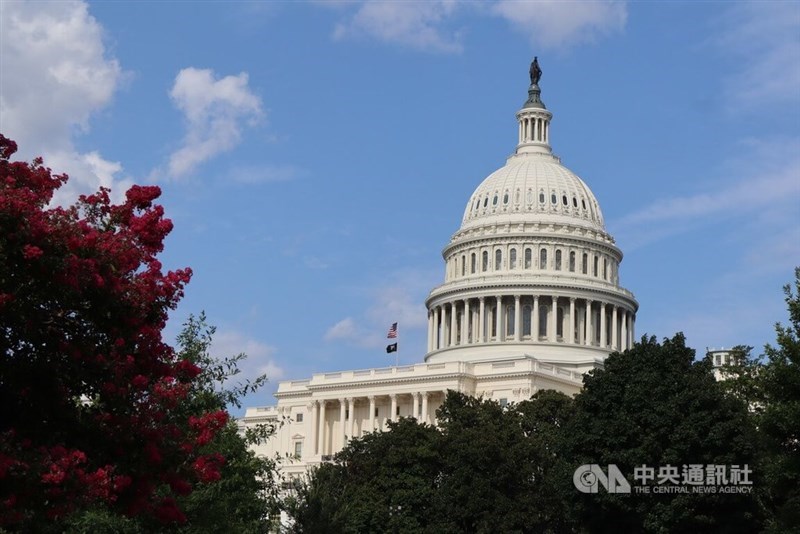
(392, 331)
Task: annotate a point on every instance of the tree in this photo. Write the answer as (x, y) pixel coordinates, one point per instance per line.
(88, 388)
(654, 405)
(382, 482)
(779, 382)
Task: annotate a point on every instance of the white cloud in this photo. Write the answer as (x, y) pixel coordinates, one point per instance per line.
(55, 76)
(766, 181)
(215, 111)
(764, 39)
(260, 356)
(555, 23)
(414, 24)
(398, 298)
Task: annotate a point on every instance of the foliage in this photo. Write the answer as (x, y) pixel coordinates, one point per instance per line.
(655, 406)
(779, 380)
(90, 393)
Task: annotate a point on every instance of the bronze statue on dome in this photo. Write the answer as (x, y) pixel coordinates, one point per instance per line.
(536, 72)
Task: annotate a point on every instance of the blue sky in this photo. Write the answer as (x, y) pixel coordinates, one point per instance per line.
(316, 157)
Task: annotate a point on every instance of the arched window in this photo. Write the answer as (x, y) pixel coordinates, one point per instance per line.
(541, 197)
(585, 265)
(526, 320)
(605, 269)
(553, 199)
(510, 320)
(572, 262)
(498, 259)
(474, 262)
(485, 261)
(558, 260)
(528, 258)
(543, 258)
(596, 259)
(463, 265)
(543, 320)
(512, 259)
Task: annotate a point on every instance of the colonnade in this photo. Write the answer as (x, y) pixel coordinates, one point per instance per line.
(538, 318)
(350, 423)
(534, 129)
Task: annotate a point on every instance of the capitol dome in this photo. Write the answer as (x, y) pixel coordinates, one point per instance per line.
(532, 270)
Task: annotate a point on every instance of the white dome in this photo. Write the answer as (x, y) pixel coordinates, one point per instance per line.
(533, 188)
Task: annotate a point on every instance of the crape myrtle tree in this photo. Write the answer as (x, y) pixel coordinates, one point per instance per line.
(90, 393)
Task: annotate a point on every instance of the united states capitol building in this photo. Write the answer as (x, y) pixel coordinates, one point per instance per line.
(531, 300)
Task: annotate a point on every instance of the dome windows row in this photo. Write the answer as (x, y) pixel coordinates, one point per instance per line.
(514, 258)
(498, 202)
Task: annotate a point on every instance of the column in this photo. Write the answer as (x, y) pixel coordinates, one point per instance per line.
(371, 413)
(393, 414)
(453, 325)
(430, 330)
(436, 328)
(587, 338)
(321, 431)
(614, 326)
(482, 320)
(517, 319)
(500, 320)
(351, 426)
(552, 330)
(415, 405)
(343, 421)
(603, 339)
(424, 406)
(535, 319)
(623, 334)
(314, 407)
(465, 333)
(571, 330)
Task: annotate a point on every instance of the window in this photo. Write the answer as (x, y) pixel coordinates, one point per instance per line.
(485, 202)
(298, 418)
(493, 322)
(513, 259)
(541, 197)
(595, 265)
(572, 262)
(564, 200)
(505, 198)
(574, 202)
(528, 256)
(474, 261)
(485, 262)
(494, 201)
(298, 449)
(510, 320)
(585, 265)
(605, 269)
(558, 260)
(503, 402)
(719, 359)
(583, 203)
(377, 411)
(498, 259)
(553, 199)
(543, 320)
(543, 258)
(560, 323)
(463, 265)
(526, 320)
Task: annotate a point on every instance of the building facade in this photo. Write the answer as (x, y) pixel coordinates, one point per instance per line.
(531, 300)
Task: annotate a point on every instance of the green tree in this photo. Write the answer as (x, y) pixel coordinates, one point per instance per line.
(654, 405)
(779, 382)
(382, 482)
